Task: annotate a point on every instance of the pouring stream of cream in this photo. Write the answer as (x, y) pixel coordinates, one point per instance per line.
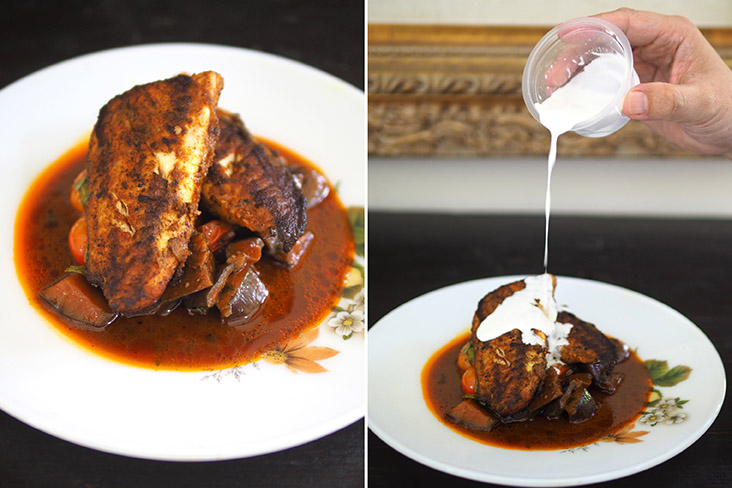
(585, 95)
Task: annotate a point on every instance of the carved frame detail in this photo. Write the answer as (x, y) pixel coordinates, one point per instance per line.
(456, 91)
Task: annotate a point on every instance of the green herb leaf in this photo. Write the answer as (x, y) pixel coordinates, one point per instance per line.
(468, 349)
(82, 186)
(356, 216)
(76, 268)
(51, 219)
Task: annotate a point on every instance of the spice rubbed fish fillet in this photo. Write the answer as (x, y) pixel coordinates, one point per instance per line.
(249, 185)
(509, 372)
(148, 154)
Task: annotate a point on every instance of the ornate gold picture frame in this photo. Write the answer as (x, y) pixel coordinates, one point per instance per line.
(456, 91)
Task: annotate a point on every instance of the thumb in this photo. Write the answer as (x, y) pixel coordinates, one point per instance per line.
(657, 101)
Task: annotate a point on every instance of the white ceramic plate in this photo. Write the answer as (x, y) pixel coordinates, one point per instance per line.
(54, 385)
(402, 342)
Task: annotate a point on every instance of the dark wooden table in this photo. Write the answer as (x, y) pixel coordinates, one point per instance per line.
(686, 264)
(34, 34)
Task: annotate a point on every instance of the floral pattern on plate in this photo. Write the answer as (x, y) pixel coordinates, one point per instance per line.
(660, 410)
(349, 316)
(298, 356)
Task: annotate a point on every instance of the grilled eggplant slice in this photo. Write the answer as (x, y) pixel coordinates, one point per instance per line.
(73, 297)
(470, 414)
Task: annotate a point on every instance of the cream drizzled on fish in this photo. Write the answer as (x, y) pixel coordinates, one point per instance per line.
(533, 311)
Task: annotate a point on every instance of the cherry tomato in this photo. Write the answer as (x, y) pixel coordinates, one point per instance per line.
(561, 368)
(76, 189)
(469, 381)
(216, 233)
(463, 358)
(78, 239)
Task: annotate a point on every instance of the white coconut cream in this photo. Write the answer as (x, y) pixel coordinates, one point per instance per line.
(555, 341)
(584, 96)
(532, 308)
(529, 310)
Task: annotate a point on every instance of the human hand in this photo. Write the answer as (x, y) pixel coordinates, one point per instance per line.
(685, 93)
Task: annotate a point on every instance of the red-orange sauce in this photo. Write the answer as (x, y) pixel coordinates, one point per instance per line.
(298, 299)
(442, 390)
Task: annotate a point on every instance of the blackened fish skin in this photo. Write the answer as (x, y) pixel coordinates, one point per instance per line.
(249, 185)
(589, 347)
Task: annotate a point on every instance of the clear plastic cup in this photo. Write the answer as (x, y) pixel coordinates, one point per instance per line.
(570, 45)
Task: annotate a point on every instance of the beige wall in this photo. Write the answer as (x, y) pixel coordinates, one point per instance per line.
(704, 13)
(641, 188)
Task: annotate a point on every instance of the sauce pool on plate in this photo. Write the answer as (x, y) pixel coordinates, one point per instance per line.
(299, 298)
(441, 387)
